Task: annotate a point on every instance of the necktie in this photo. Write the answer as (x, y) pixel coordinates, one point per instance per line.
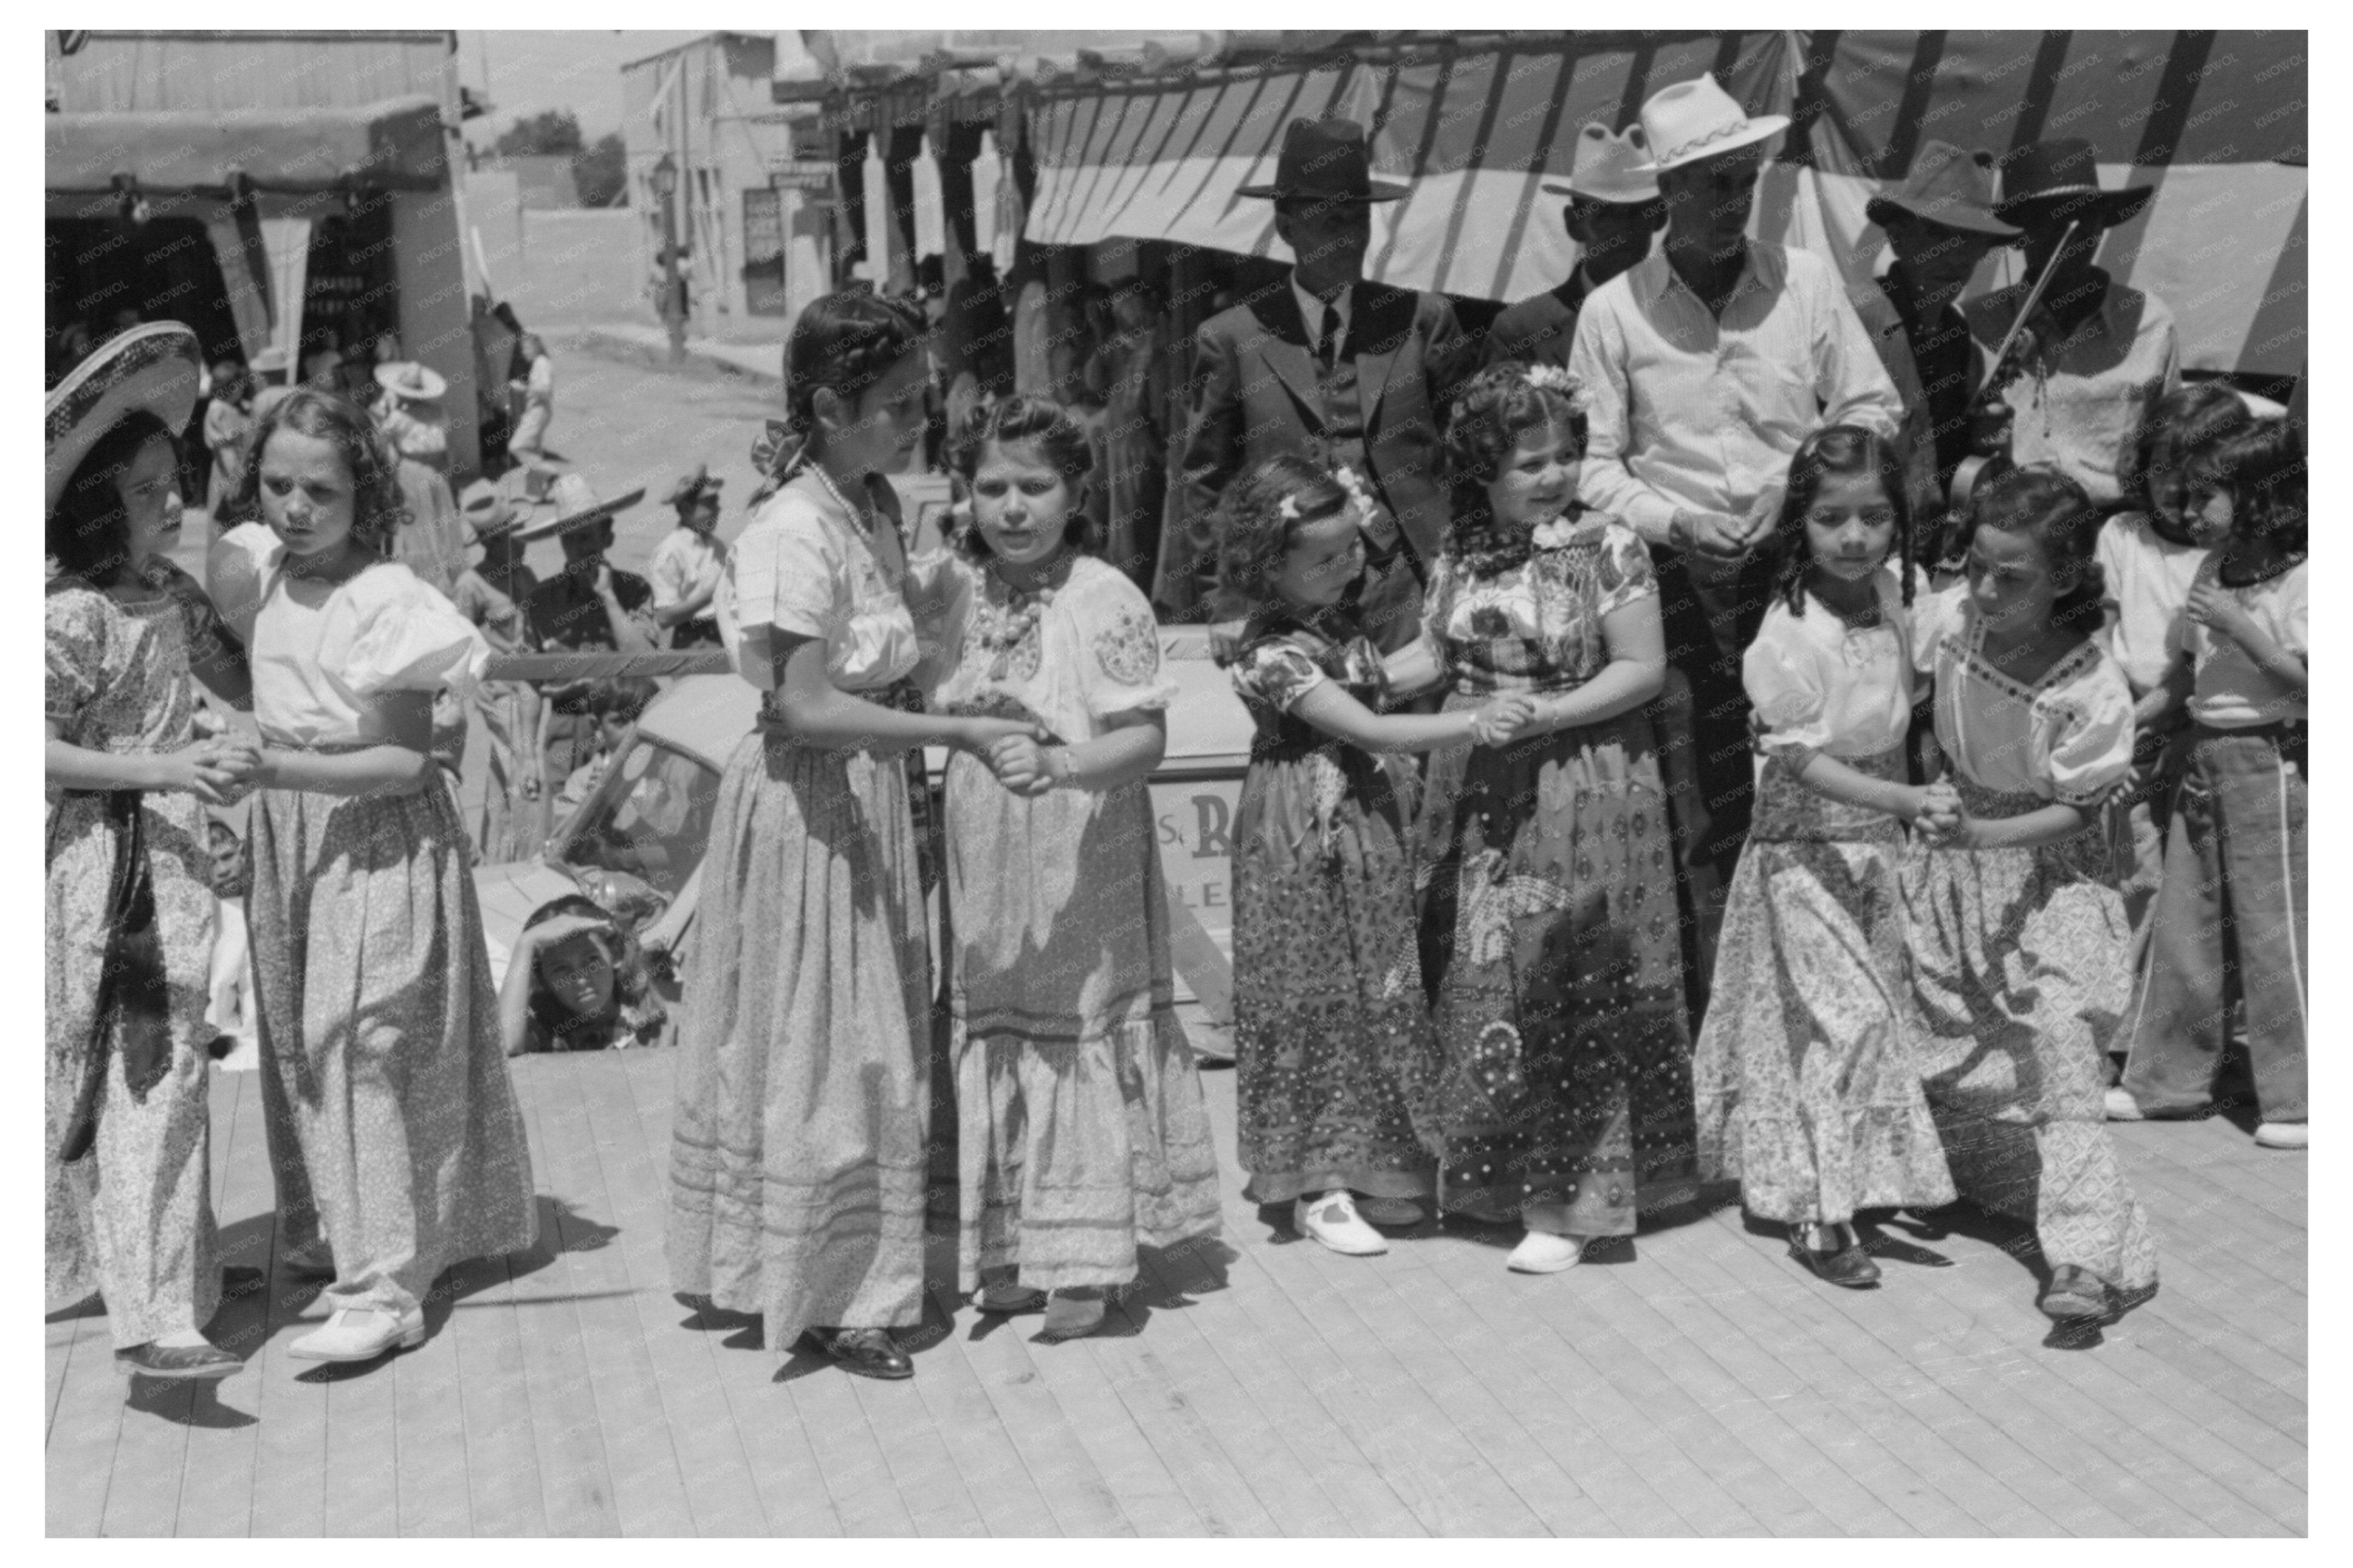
(1327, 343)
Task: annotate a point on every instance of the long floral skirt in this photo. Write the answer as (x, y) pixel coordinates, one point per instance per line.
(1332, 1043)
(391, 1121)
(131, 1219)
(1807, 1078)
(1565, 1085)
(797, 1149)
(2020, 968)
(1081, 1130)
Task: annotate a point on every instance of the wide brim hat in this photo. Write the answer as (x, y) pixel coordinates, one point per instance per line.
(489, 510)
(2060, 180)
(1695, 120)
(410, 382)
(1610, 168)
(576, 507)
(1324, 161)
(1949, 187)
(153, 369)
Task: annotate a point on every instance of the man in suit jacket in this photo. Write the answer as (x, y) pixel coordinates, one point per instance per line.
(1339, 370)
(1613, 210)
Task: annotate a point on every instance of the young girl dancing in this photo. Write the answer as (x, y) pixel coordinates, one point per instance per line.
(2231, 916)
(1566, 1090)
(128, 902)
(391, 1123)
(1332, 1032)
(2019, 945)
(1807, 1082)
(1081, 1130)
(797, 1158)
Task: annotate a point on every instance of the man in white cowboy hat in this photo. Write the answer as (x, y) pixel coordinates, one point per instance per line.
(1613, 210)
(1707, 362)
(1339, 370)
(588, 607)
(2095, 356)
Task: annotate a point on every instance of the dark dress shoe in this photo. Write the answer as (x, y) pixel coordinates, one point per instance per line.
(237, 1280)
(2076, 1295)
(1851, 1268)
(175, 1361)
(867, 1352)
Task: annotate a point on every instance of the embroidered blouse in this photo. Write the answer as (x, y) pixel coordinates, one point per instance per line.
(1822, 686)
(1090, 650)
(2066, 737)
(1536, 627)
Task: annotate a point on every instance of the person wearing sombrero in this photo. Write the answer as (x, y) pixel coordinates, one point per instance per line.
(1329, 367)
(1613, 210)
(130, 911)
(1707, 362)
(493, 594)
(590, 606)
(1940, 223)
(2095, 354)
(688, 562)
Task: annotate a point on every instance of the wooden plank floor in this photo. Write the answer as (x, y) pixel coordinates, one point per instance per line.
(1694, 1383)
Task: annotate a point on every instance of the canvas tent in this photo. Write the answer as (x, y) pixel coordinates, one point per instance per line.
(2214, 121)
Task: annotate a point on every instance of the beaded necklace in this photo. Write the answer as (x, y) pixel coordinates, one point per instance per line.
(1001, 630)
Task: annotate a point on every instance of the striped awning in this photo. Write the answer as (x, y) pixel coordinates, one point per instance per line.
(2215, 122)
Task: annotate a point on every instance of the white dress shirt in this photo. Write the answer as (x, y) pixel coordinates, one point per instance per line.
(1690, 411)
(1310, 311)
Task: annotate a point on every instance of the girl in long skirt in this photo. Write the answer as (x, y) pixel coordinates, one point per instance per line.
(129, 908)
(1333, 1051)
(1566, 1096)
(2020, 946)
(798, 1149)
(1807, 1082)
(392, 1126)
(1081, 1125)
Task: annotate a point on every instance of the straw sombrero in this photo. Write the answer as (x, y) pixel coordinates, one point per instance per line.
(155, 368)
(576, 507)
(410, 382)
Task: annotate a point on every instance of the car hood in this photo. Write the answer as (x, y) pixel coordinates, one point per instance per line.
(508, 893)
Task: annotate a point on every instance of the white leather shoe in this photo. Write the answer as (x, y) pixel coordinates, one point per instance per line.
(1541, 1252)
(1333, 1220)
(2120, 1106)
(2284, 1136)
(360, 1333)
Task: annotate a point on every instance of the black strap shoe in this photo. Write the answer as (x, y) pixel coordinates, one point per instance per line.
(867, 1352)
(175, 1361)
(1851, 1266)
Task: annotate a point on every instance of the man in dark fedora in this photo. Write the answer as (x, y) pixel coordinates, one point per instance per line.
(2095, 354)
(1338, 370)
(1613, 210)
(1940, 223)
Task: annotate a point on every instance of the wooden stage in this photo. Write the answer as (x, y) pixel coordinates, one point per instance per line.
(1694, 1382)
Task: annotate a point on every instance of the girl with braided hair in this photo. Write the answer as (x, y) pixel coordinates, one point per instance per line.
(1565, 1095)
(799, 1150)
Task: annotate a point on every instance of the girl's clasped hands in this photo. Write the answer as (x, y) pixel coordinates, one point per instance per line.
(217, 768)
(1940, 820)
(1500, 720)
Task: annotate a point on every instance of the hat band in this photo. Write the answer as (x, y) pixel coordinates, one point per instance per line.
(1675, 155)
(2056, 191)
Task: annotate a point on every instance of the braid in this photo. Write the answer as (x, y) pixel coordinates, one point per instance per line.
(843, 343)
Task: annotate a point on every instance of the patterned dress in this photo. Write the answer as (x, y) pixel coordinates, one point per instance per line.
(1081, 1130)
(392, 1125)
(2020, 958)
(1332, 1036)
(132, 1219)
(797, 1151)
(1808, 1082)
(1565, 1089)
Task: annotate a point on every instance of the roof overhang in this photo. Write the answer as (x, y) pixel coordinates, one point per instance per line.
(396, 144)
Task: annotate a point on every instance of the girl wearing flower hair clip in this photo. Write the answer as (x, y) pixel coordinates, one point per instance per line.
(1333, 1044)
(1550, 919)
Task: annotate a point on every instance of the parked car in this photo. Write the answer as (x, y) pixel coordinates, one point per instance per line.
(649, 820)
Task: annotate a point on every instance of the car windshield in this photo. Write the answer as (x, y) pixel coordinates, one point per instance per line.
(650, 817)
